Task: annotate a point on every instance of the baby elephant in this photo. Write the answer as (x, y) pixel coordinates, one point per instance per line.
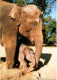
(26, 53)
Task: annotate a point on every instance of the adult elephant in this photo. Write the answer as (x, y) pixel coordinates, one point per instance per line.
(30, 25)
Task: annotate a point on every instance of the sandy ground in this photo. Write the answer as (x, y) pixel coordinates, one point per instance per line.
(47, 66)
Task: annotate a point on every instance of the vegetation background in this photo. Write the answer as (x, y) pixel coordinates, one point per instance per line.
(49, 22)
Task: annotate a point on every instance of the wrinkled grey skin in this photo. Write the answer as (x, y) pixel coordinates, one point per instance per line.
(31, 27)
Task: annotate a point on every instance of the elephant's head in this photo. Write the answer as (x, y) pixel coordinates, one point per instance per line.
(27, 13)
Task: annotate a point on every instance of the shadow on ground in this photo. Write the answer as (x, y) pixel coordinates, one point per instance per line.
(3, 59)
(46, 57)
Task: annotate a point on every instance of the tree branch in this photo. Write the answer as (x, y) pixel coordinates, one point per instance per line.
(51, 3)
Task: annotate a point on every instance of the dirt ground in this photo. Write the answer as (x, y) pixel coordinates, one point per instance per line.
(46, 69)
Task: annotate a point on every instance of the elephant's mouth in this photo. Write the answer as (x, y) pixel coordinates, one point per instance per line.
(19, 25)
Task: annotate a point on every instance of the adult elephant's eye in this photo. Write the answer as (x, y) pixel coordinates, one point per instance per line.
(24, 12)
(13, 19)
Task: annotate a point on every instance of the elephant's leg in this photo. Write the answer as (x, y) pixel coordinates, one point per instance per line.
(23, 64)
(31, 67)
(10, 47)
(33, 63)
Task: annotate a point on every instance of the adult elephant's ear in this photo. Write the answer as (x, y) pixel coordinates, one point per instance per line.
(14, 12)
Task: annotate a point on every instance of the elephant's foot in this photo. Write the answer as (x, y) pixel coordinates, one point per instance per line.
(27, 70)
(22, 65)
(10, 64)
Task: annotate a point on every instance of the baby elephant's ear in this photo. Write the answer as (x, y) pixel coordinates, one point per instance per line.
(14, 12)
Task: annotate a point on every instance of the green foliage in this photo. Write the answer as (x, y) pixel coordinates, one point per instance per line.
(52, 25)
(52, 39)
(20, 2)
(52, 31)
(49, 30)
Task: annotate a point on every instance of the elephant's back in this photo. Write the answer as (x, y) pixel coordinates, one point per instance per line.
(5, 8)
(31, 12)
(4, 2)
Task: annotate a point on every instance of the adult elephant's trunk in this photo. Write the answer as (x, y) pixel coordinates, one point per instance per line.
(0, 34)
(38, 50)
(38, 39)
